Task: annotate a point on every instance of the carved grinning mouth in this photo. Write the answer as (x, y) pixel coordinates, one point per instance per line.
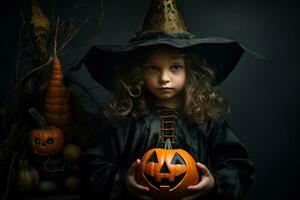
(165, 181)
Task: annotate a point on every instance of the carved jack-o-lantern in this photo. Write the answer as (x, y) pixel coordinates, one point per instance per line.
(167, 172)
(45, 141)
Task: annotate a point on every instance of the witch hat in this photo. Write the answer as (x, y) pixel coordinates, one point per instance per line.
(163, 25)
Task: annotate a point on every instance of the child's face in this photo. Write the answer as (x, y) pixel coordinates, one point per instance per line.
(165, 75)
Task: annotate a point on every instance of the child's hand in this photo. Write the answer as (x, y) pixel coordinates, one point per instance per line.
(205, 186)
(135, 189)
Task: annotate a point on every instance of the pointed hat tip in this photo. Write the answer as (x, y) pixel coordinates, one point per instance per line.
(164, 16)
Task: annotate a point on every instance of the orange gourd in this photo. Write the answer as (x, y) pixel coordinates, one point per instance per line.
(47, 140)
(27, 177)
(167, 172)
(57, 110)
(72, 153)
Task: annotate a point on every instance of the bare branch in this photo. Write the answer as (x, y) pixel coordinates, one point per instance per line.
(55, 38)
(70, 26)
(95, 38)
(75, 33)
(32, 71)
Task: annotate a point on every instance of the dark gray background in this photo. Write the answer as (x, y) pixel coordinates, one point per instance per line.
(264, 96)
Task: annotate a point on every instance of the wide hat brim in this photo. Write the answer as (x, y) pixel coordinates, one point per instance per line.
(219, 53)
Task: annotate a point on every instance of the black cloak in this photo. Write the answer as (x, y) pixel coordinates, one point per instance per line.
(212, 143)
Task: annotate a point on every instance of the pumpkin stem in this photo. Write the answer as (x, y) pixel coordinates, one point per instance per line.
(38, 117)
(168, 144)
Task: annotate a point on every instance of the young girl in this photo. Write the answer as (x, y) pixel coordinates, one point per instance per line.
(152, 80)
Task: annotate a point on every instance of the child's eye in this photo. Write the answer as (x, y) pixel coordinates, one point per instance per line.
(176, 68)
(152, 68)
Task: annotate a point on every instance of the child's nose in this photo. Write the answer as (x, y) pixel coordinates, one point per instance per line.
(164, 78)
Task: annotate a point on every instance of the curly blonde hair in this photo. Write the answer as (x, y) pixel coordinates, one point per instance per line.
(202, 99)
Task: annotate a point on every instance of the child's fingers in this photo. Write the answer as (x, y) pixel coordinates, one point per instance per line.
(136, 163)
(199, 186)
(139, 187)
(131, 177)
(204, 173)
(133, 167)
(204, 170)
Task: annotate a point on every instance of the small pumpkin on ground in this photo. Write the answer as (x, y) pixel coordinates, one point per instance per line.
(72, 153)
(47, 140)
(27, 179)
(47, 187)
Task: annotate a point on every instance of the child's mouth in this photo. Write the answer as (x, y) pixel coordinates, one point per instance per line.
(166, 88)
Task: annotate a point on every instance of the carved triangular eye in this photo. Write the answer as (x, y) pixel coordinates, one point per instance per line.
(178, 160)
(153, 158)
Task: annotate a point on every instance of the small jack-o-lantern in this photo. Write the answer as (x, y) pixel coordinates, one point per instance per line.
(167, 172)
(47, 140)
